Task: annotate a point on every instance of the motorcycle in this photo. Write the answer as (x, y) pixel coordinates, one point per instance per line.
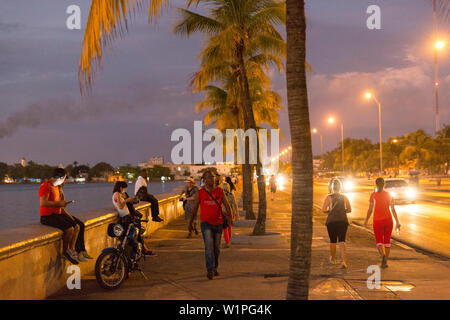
(115, 263)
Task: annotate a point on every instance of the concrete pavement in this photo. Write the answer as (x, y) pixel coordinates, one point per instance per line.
(258, 269)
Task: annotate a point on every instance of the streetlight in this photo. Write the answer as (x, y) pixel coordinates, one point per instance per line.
(438, 45)
(321, 140)
(370, 96)
(331, 120)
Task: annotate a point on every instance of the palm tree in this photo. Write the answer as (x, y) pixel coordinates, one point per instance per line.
(236, 31)
(302, 168)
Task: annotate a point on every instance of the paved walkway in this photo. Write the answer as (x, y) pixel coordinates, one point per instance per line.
(258, 270)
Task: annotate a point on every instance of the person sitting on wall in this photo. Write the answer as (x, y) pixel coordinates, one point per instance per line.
(51, 206)
(142, 194)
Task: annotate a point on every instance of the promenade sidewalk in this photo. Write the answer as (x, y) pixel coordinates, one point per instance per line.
(258, 268)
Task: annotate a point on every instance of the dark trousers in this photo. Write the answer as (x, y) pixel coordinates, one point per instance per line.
(79, 245)
(147, 197)
(211, 237)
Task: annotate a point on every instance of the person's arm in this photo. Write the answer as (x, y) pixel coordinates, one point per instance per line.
(44, 202)
(121, 203)
(394, 213)
(348, 207)
(227, 206)
(326, 205)
(194, 213)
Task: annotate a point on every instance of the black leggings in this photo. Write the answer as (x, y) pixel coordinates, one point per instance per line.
(337, 231)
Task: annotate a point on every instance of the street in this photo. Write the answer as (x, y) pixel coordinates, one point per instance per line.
(423, 224)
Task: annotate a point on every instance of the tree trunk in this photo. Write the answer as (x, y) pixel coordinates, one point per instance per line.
(260, 226)
(302, 167)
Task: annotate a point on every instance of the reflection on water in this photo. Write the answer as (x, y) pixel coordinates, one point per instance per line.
(19, 203)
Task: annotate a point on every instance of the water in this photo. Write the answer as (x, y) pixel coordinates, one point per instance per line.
(19, 203)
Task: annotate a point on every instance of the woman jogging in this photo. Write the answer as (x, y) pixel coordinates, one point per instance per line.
(382, 219)
(337, 206)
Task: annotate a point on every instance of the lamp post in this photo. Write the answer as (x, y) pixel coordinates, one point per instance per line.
(438, 45)
(368, 97)
(321, 139)
(331, 120)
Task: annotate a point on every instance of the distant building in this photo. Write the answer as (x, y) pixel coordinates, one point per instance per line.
(156, 161)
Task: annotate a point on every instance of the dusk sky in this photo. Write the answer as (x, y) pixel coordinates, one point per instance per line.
(141, 95)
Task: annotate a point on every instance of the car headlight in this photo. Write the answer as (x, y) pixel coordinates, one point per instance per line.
(410, 193)
(118, 230)
(349, 185)
(393, 194)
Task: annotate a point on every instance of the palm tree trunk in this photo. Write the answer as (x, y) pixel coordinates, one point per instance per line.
(260, 226)
(302, 168)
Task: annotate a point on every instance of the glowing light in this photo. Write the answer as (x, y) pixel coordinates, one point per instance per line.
(411, 193)
(368, 95)
(290, 148)
(349, 185)
(314, 130)
(331, 120)
(281, 180)
(439, 45)
(436, 84)
(394, 140)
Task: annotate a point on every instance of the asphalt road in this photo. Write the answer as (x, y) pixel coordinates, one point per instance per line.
(424, 224)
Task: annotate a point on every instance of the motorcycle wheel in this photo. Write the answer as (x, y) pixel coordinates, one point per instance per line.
(106, 278)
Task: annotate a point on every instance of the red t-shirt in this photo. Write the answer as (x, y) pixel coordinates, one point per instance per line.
(210, 211)
(382, 202)
(47, 189)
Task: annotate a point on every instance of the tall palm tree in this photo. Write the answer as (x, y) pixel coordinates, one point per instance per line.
(302, 168)
(237, 30)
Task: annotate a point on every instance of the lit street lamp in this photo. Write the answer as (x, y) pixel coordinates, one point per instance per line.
(438, 45)
(331, 121)
(321, 140)
(370, 96)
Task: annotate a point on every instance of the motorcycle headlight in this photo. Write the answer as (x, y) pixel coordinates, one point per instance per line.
(349, 185)
(118, 230)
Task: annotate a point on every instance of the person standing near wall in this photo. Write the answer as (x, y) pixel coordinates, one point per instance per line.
(210, 199)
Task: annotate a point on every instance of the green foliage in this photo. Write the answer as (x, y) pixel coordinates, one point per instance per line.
(129, 172)
(159, 171)
(416, 150)
(101, 169)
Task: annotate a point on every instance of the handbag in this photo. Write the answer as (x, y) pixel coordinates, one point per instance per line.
(225, 220)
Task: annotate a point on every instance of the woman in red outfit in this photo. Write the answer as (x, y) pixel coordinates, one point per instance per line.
(382, 219)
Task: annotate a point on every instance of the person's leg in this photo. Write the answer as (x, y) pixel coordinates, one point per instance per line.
(209, 247)
(154, 207)
(67, 237)
(378, 230)
(73, 240)
(79, 244)
(227, 235)
(217, 233)
(333, 239)
(387, 238)
(343, 247)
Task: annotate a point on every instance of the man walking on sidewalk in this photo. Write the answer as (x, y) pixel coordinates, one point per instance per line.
(210, 199)
(141, 193)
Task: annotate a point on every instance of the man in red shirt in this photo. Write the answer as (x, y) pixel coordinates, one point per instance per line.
(51, 205)
(210, 200)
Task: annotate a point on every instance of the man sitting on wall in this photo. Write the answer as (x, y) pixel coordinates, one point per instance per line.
(142, 194)
(51, 213)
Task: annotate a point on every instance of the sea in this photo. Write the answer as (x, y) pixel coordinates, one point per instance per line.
(19, 203)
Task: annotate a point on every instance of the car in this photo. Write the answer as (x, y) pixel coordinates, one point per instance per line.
(347, 184)
(400, 190)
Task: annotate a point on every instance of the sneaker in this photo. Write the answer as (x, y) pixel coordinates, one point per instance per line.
(332, 261)
(210, 275)
(157, 219)
(85, 254)
(150, 253)
(81, 257)
(71, 256)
